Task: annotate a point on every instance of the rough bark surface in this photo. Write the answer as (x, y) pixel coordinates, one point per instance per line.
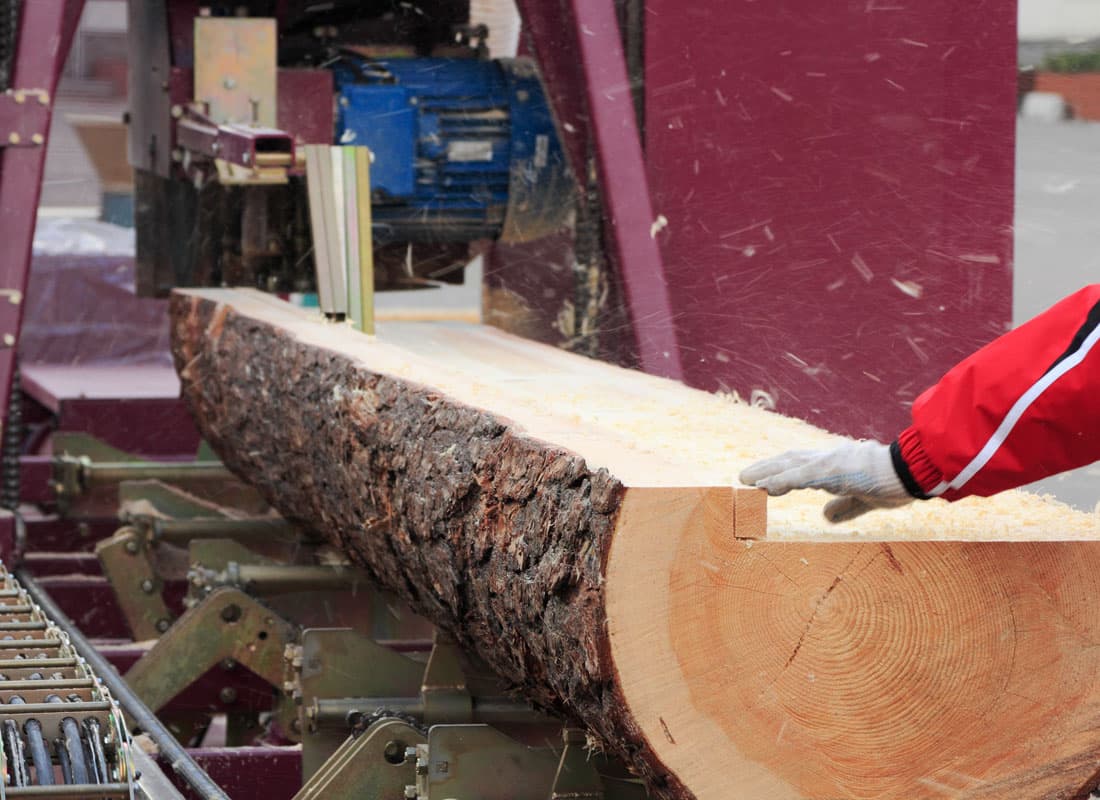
(497, 538)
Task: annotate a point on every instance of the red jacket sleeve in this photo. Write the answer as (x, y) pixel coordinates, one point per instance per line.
(1025, 406)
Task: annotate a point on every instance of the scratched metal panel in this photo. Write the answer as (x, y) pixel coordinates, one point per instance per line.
(837, 176)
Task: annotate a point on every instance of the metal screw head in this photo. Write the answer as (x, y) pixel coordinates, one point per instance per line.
(231, 613)
(410, 792)
(230, 83)
(163, 624)
(147, 586)
(132, 547)
(228, 695)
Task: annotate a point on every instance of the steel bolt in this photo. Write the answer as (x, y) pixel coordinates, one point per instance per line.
(228, 664)
(132, 547)
(163, 624)
(410, 792)
(228, 695)
(231, 613)
(147, 586)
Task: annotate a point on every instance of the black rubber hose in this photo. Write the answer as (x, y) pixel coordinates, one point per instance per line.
(174, 753)
(63, 760)
(40, 754)
(70, 731)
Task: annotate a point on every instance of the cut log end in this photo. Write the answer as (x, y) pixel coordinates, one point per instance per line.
(857, 670)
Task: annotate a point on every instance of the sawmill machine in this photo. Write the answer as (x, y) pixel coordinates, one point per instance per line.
(630, 194)
(464, 148)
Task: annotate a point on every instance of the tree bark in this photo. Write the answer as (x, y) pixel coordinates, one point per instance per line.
(577, 527)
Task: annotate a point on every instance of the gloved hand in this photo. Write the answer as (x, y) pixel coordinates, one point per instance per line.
(862, 473)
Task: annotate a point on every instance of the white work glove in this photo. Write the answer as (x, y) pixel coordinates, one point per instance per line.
(861, 473)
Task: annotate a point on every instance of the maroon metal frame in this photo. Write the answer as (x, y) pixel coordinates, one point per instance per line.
(611, 122)
(838, 183)
(46, 29)
(237, 144)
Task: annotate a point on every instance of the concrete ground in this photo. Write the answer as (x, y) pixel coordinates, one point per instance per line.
(1057, 242)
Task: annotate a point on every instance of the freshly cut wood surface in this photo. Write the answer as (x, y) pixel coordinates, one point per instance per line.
(580, 527)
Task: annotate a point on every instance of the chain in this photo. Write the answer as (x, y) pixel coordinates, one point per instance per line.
(361, 722)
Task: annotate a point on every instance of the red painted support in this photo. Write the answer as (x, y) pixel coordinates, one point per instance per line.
(270, 773)
(46, 30)
(604, 108)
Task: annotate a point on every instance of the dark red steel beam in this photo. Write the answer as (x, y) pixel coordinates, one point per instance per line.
(631, 225)
(46, 29)
(251, 773)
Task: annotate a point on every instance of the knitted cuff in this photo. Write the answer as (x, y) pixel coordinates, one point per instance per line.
(915, 469)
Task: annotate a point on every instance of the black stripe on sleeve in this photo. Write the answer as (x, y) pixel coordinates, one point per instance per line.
(1091, 321)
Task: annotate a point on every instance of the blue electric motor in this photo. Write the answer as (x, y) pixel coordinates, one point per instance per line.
(463, 149)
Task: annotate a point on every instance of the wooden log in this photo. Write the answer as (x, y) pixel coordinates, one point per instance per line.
(579, 527)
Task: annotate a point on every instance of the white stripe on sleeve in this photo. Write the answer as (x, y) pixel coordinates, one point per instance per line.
(1016, 412)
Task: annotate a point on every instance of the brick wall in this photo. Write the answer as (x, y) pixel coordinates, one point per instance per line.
(1081, 91)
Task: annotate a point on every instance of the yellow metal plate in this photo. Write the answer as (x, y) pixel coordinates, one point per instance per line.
(235, 69)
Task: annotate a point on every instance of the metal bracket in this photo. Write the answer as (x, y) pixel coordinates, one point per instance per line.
(228, 624)
(372, 765)
(128, 567)
(480, 761)
(24, 117)
(323, 666)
